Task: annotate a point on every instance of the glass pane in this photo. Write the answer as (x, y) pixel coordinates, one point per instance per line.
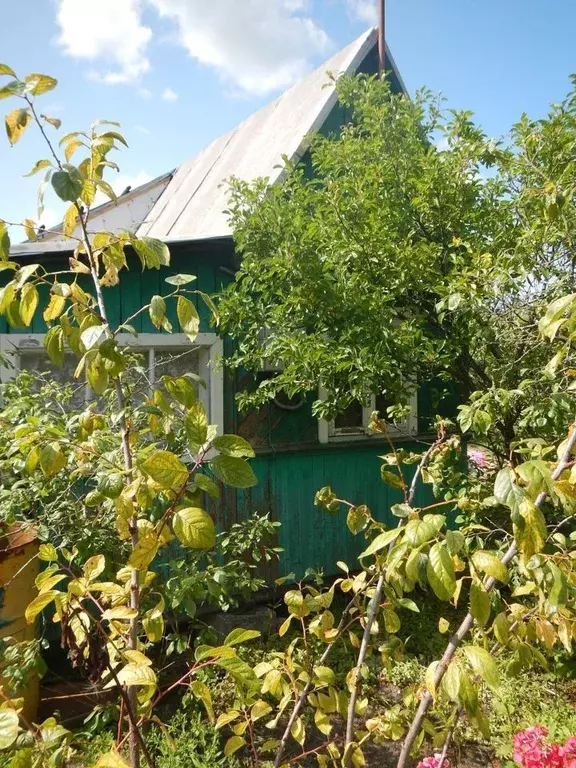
(350, 420)
(382, 404)
(37, 361)
(176, 362)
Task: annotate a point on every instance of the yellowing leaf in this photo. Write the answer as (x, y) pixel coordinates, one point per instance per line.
(48, 553)
(111, 760)
(233, 744)
(38, 604)
(55, 308)
(28, 303)
(166, 469)
(157, 311)
(298, 732)
(491, 565)
(194, 528)
(483, 664)
(144, 552)
(16, 123)
(232, 445)
(202, 692)
(443, 625)
(239, 636)
(52, 459)
(188, 317)
(8, 727)
(233, 471)
(36, 84)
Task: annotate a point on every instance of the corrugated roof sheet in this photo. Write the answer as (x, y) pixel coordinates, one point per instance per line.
(193, 204)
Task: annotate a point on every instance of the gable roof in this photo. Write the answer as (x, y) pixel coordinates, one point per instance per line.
(190, 202)
(192, 207)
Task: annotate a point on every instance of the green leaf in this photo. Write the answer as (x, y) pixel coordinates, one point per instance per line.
(401, 510)
(166, 469)
(16, 123)
(239, 636)
(188, 317)
(483, 664)
(196, 426)
(325, 675)
(298, 731)
(38, 604)
(440, 572)
(54, 344)
(4, 242)
(381, 541)
(488, 563)
(181, 389)
(391, 478)
(452, 680)
(233, 744)
(152, 253)
(48, 553)
(506, 491)
(553, 319)
(8, 727)
(153, 622)
(232, 445)
(357, 518)
(157, 311)
(67, 184)
(36, 84)
(180, 279)
(202, 692)
(233, 471)
(194, 528)
(501, 628)
(455, 542)
(479, 604)
(52, 460)
(206, 484)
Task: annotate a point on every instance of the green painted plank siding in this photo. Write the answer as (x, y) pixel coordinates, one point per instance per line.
(287, 484)
(137, 286)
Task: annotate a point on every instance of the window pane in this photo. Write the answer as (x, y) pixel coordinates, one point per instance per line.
(350, 420)
(383, 402)
(37, 362)
(176, 362)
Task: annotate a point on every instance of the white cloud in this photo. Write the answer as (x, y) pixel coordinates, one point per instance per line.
(364, 10)
(169, 95)
(258, 46)
(121, 183)
(108, 32)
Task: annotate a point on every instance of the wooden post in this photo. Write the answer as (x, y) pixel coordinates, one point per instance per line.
(381, 37)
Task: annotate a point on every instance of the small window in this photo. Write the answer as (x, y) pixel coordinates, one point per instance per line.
(353, 422)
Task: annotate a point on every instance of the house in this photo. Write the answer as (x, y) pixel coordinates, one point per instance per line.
(296, 455)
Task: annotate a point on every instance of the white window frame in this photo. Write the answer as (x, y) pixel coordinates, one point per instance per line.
(328, 432)
(209, 345)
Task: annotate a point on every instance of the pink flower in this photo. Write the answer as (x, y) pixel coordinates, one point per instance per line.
(433, 761)
(476, 456)
(531, 750)
(569, 752)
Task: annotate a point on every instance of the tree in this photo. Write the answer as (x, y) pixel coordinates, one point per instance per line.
(144, 462)
(405, 257)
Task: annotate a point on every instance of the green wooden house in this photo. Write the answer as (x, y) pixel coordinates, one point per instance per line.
(296, 453)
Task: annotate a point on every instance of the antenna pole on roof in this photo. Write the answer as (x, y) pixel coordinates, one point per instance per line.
(381, 37)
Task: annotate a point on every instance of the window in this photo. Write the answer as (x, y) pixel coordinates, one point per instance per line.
(170, 355)
(352, 424)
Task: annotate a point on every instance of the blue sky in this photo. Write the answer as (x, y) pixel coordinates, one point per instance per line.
(178, 73)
